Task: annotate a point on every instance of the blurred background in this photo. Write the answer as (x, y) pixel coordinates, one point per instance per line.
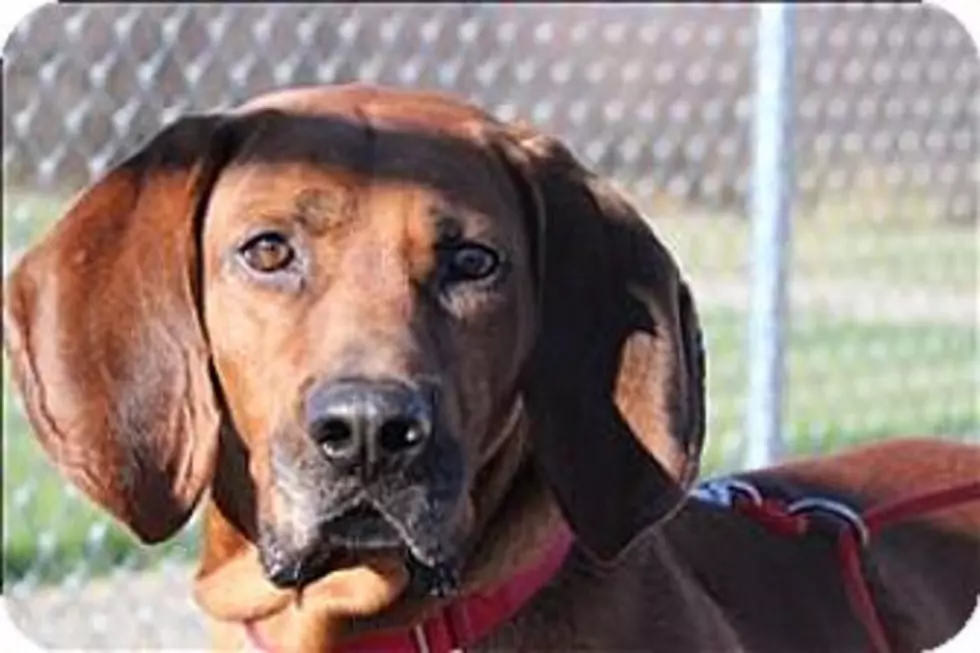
(879, 330)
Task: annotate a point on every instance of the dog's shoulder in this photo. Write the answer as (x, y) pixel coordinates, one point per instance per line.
(881, 471)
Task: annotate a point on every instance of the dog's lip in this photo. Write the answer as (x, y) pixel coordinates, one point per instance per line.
(338, 550)
(324, 560)
(344, 541)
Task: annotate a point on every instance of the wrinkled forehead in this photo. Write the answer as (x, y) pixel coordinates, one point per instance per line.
(333, 164)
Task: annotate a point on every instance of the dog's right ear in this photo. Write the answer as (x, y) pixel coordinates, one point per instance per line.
(102, 327)
(615, 386)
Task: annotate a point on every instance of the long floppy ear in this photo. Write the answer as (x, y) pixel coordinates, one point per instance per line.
(101, 326)
(615, 384)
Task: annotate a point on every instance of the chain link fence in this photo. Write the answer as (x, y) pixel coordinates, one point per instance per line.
(881, 329)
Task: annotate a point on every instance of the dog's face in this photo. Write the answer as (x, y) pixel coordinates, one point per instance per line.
(365, 329)
(336, 308)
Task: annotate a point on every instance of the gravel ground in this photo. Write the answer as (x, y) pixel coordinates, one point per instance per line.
(124, 611)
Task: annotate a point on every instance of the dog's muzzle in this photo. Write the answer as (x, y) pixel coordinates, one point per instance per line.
(369, 472)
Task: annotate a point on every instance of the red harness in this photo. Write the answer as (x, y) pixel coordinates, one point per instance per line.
(792, 519)
(461, 623)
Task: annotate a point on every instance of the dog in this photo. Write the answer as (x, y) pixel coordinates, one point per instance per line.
(443, 388)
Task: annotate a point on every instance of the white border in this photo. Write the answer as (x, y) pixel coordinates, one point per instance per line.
(965, 641)
(12, 12)
(11, 637)
(966, 12)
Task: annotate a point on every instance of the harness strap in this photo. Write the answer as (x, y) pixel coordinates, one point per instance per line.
(875, 519)
(793, 519)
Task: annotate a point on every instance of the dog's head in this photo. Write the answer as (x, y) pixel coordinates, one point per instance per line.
(339, 308)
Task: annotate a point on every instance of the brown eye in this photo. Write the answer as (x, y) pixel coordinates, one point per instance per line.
(267, 252)
(470, 262)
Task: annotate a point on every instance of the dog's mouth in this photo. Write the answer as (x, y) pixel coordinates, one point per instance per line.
(345, 541)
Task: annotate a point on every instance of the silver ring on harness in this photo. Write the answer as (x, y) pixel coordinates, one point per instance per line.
(815, 504)
(720, 491)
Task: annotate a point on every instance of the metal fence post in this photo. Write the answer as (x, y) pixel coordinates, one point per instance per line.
(772, 184)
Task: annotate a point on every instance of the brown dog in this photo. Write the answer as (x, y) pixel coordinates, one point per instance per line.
(408, 349)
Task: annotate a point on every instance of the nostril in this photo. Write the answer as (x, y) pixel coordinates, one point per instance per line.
(401, 434)
(361, 426)
(334, 433)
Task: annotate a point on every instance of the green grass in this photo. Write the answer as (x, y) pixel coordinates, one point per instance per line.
(27, 217)
(907, 255)
(846, 383)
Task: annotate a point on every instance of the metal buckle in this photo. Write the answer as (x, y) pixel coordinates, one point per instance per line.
(421, 643)
(723, 491)
(844, 512)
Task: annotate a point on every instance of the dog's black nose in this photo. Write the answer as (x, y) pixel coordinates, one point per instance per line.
(368, 426)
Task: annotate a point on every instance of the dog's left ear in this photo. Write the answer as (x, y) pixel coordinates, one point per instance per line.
(101, 324)
(615, 384)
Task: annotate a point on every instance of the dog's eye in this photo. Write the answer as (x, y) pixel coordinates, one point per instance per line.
(267, 252)
(470, 262)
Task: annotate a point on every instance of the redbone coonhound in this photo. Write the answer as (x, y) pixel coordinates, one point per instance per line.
(443, 388)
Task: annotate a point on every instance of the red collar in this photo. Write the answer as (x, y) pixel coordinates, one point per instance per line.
(463, 622)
